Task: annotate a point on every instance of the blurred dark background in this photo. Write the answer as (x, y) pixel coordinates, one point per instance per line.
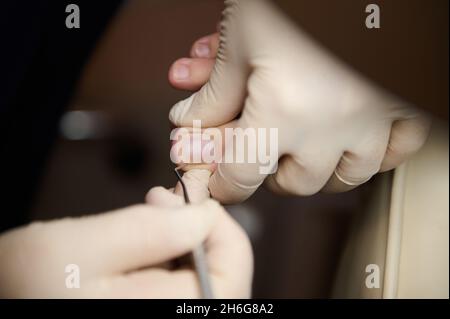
(113, 147)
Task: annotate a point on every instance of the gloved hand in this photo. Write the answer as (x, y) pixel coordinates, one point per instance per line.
(125, 253)
(336, 128)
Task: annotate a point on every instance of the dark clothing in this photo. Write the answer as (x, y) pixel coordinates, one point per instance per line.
(40, 60)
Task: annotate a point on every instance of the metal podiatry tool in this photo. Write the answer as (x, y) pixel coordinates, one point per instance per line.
(198, 254)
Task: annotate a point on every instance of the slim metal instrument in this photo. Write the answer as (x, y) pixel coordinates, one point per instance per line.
(198, 254)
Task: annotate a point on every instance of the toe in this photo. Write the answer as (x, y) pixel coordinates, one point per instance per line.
(206, 47)
(190, 74)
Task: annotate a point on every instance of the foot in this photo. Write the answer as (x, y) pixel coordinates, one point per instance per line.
(193, 72)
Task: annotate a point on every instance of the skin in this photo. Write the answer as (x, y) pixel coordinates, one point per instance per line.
(200, 64)
(126, 253)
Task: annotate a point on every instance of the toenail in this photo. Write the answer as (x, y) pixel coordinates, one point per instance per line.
(181, 72)
(202, 50)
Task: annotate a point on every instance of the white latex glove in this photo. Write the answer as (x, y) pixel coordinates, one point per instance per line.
(336, 128)
(124, 253)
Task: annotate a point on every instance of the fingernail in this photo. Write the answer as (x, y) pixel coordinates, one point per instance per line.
(192, 149)
(202, 50)
(181, 72)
